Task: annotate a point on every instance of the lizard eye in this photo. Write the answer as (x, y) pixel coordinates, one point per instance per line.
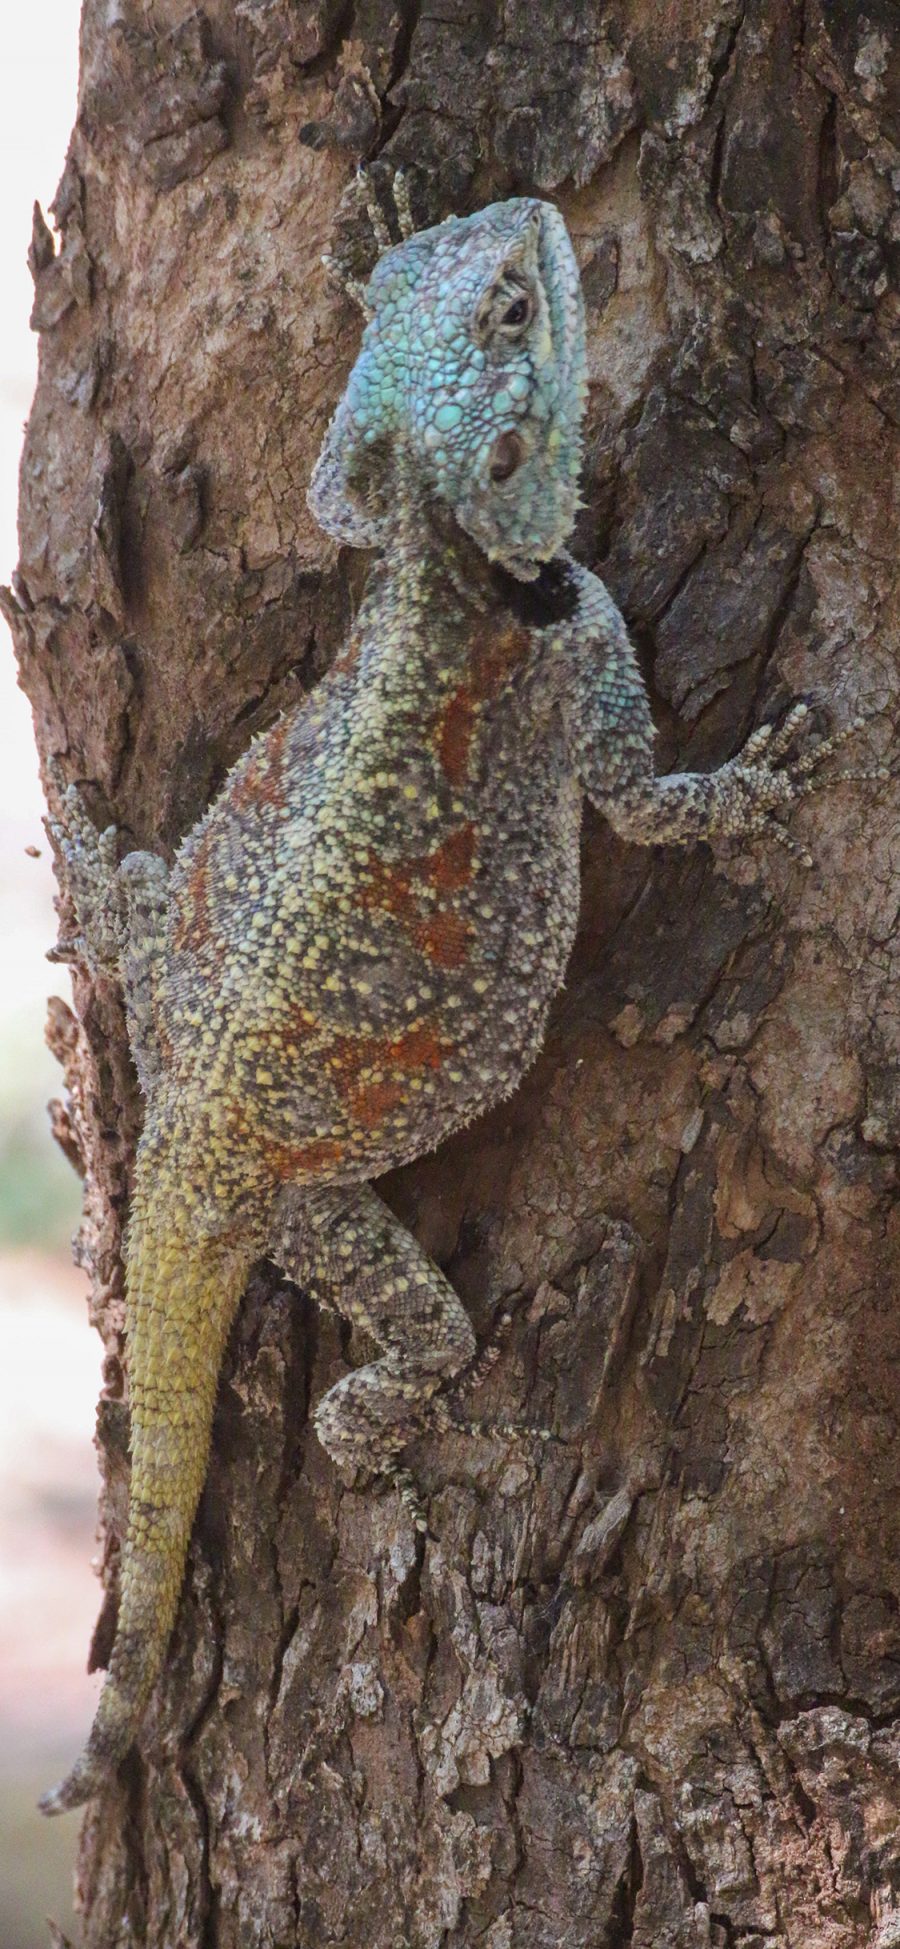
(506, 309)
(507, 454)
(517, 314)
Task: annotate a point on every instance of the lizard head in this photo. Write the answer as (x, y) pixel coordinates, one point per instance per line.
(471, 382)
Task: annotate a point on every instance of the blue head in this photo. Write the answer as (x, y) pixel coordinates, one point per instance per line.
(471, 379)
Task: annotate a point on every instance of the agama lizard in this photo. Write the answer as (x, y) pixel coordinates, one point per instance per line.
(357, 947)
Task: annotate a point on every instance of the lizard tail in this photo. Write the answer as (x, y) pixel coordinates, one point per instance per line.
(182, 1298)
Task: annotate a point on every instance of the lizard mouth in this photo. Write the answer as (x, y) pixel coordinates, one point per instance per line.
(525, 568)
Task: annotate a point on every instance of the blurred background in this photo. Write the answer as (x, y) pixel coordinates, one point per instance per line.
(49, 1356)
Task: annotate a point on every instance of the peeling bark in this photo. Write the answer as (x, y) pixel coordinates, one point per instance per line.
(639, 1686)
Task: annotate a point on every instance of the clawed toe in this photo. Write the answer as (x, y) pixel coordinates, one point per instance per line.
(768, 745)
(333, 261)
(811, 761)
(405, 218)
(446, 1414)
(849, 775)
(400, 1479)
(780, 740)
(788, 843)
(451, 1422)
(475, 1374)
(400, 198)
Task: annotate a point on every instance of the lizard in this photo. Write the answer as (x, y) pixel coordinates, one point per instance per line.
(356, 948)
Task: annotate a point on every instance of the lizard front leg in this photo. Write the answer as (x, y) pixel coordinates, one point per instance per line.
(609, 733)
(345, 1244)
(121, 914)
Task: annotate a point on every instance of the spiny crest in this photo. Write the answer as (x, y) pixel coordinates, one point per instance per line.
(470, 382)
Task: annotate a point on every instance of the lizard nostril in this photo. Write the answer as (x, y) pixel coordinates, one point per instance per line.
(507, 454)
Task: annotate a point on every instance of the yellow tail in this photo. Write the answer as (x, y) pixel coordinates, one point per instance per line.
(182, 1295)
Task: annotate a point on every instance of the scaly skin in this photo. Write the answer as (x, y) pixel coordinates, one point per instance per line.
(359, 943)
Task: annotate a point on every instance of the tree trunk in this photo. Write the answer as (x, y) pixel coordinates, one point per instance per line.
(636, 1686)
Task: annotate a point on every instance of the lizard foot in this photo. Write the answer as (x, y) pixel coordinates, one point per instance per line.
(749, 792)
(482, 1363)
(91, 866)
(446, 1413)
(383, 1471)
(340, 261)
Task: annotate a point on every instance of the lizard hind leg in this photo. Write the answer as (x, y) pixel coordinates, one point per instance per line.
(346, 1245)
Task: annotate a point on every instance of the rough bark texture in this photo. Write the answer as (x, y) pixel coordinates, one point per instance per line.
(637, 1688)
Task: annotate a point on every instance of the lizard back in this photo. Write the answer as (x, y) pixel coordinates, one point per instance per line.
(376, 912)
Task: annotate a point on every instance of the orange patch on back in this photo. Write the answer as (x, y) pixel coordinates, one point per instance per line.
(495, 654)
(456, 727)
(419, 1049)
(389, 887)
(290, 1160)
(449, 867)
(405, 889)
(371, 1105)
(370, 1098)
(445, 939)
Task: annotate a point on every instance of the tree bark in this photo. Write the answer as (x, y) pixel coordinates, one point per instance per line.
(638, 1685)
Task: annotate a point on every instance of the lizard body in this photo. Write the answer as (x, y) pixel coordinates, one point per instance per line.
(357, 947)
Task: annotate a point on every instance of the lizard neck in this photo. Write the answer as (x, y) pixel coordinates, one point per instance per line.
(450, 652)
(434, 573)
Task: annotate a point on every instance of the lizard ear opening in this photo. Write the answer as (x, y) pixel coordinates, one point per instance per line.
(369, 476)
(507, 455)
